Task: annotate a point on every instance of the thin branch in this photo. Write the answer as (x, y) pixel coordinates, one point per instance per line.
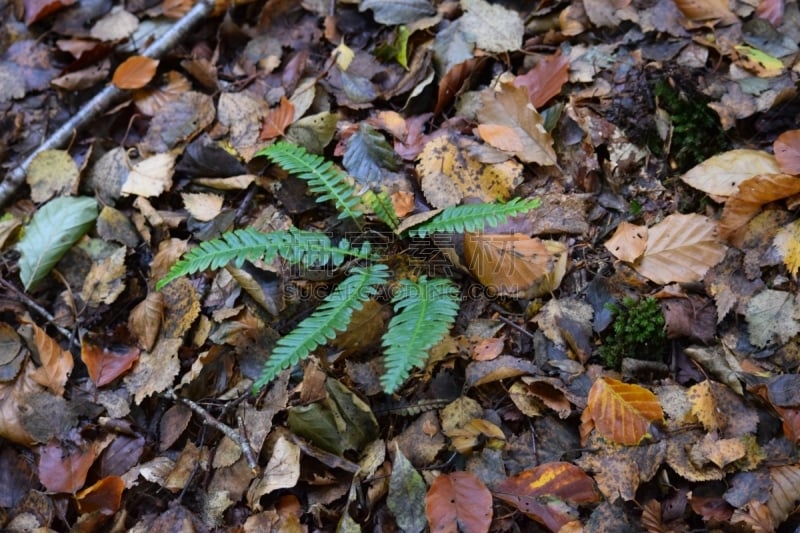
(103, 100)
(236, 436)
(31, 303)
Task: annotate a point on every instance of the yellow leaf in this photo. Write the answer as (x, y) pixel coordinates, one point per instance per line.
(451, 171)
(787, 241)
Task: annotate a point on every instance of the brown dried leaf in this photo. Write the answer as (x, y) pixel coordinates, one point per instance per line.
(704, 406)
(453, 82)
(155, 370)
(541, 491)
(36, 10)
(524, 126)
(707, 10)
(277, 119)
(63, 468)
(52, 173)
(145, 319)
(135, 72)
(721, 174)
(152, 101)
(785, 490)
(628, 242)
(104, 496)
(787, 151)
(56, 364)
(105, 280)
(458, 500)
(753, 193)
(623, 412)
(545, 79)
(107, 363)
(680, 248)
(771, 10)
(14, 406)
(150, 177)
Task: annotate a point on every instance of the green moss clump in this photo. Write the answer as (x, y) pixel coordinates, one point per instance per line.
(697, 133)
(637, 332)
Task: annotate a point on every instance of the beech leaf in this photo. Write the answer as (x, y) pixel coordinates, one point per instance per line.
(54, 228)
(545, 79)
(622, 412)
(721, 174)
(752, 194)
(787, 151)
(135, 72)
(458, 501)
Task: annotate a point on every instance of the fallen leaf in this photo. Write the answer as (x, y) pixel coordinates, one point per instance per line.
(492, 27)
(772, 317)
(458, 501)
(105, 280)
(680, 248)
(135, 72)
(545, 80)
(704, 406)
(116, 25)
(56, 363)
(104, 496)
(145, 319)
(721, 174)
(277, 119)
(403, 203)
(152, 101)
(541, 493)
(63, 468)
(752, 194)
(203, 206)
(787, 242)
(407, 491)
(52, 173)
(150, 177)
(707, 10)
(622, 412)
(787, 151)
(628, 242)
(515, 123)
(36, 10)
(107, 363)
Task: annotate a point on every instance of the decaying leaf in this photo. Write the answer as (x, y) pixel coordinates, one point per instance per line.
(450, 172)
(105, 280)
(787, 151)
(492, 27)
(52, 173)
(772, 316)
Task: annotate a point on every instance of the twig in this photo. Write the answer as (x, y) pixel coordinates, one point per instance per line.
(237, 437)
(103, 100)
(38, 308)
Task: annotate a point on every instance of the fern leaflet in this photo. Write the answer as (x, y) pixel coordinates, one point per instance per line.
(323, 176)
(296, 246)
(381, 205)
(425, 311)
(333, 315)
(473, 217)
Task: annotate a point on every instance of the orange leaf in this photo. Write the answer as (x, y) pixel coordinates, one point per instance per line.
(277, 120)
(135, 72)
(458, 501)
(787, 151)
(56, 363)
(541, 492)
(403, 203)
(501, 137)
(544, 81)
(105, 364)
(623, 412)
(104, 496)
(702, 10)
(64, 468)
(752, 194)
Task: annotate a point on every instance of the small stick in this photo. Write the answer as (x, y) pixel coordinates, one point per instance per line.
(103, 100)
(38, 308)
(236, 436)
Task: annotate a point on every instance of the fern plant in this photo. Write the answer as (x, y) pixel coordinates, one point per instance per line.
(424, 309)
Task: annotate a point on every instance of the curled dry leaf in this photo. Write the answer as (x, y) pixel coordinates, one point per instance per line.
(56, 363)
(680, 248)
(135, 72)
(622, 412)
(752, 194)
(628, 242)
(721, 175)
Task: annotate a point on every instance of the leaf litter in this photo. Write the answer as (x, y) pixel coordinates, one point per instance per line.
(111, 391)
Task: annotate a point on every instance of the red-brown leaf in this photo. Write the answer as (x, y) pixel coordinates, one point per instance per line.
(104, 496)
(135, 72)
(458, 502)
(787, 151)
(622, 412)
(105, 364)
(64, 469)
(56, 363)
(545, 80)
(277, 120)
(36, 10)
(535, 491)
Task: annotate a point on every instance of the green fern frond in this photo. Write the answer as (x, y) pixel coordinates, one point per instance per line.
(425, 311)
(296, 246)
(473, 217)
(323, 177)
(381, 205)
(333, 315)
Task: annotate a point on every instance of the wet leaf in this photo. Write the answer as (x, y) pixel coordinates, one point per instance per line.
(135, 72)
(458, 501)
(680, 248)
(622, 412)
(107, 363)
(521, 125)
(542, 492)
(53, 230)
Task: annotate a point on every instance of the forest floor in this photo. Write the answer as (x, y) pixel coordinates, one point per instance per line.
(604, 341)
